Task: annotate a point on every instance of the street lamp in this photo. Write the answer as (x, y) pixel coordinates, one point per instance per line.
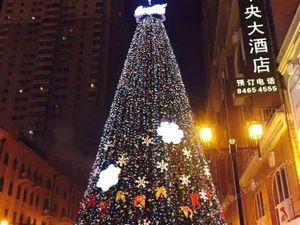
(256, 132)
(206, 134)
(3, 222)
(206, 137)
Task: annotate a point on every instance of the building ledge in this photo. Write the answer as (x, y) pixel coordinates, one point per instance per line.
(273, 133)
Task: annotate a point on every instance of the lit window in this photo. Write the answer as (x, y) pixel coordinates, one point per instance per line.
(259, 205)
(280, 186)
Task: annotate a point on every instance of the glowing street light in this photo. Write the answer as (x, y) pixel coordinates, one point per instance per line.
(256, 132)
(206, 134)
(3, 222)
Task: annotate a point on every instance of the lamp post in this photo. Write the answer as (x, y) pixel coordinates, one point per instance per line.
(255, 133)
(233, 153)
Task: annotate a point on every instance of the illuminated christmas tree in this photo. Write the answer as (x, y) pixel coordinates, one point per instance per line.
(150, 169)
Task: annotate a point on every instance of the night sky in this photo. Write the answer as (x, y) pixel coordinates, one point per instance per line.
(184, 29)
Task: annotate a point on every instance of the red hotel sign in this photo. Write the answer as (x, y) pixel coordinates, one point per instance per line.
(260, 75)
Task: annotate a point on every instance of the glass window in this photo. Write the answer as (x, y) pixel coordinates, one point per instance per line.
(1, 183)
(25, 195)
(281, 190)
(19, 190)
(37, 200)
(46, 204)
(10, 188)
(15, 164)
(31, 198)
(259, 205)
(1, 145)
(6, 159)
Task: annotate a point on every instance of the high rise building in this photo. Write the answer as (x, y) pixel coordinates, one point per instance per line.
(51, 62)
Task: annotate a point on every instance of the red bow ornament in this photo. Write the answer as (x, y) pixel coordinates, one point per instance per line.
(195, 200)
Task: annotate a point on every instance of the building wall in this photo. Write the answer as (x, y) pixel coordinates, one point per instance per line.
(45, 196)
(52, 81)
(230, 117)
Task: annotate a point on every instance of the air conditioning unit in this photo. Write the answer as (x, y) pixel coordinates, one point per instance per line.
(285, 211)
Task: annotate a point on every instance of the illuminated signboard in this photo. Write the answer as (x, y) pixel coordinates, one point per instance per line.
(260, 72)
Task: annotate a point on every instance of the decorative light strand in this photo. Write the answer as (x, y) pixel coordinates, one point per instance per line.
(155, 181)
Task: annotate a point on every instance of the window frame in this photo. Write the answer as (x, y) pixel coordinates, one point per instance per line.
(280, 185)
(260, 211)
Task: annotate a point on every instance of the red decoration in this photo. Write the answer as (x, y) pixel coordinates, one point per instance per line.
(103, 207)
(92, 201)
(195, 201)
(209, 195)
(282, 209)
(140, 200)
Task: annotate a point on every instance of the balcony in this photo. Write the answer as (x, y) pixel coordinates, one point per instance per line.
(25, 179)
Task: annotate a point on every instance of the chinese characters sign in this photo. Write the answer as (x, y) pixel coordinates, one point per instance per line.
(260, 73)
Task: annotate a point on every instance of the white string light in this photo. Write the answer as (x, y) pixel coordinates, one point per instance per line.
(149, 1)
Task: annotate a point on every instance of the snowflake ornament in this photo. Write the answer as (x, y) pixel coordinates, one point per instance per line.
(207, 171)
(147, 141)
(170, 132)
(123, 160)
(141, 182)
(108, 177)
(162, 165)
(187, 153)
(203, 196)
(185, 180)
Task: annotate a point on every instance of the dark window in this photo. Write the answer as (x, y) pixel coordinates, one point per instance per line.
(21, 219)
(25, 195)
(31, 198)
(10, 188)
(1, 145)
(22, 170)
(6, 159)
(37, 200)
(46, 204)
(14, 220)
(63, 212)
(15, 164)
(49, 184)
(57, 190)
(19, 190)
(1, 183)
